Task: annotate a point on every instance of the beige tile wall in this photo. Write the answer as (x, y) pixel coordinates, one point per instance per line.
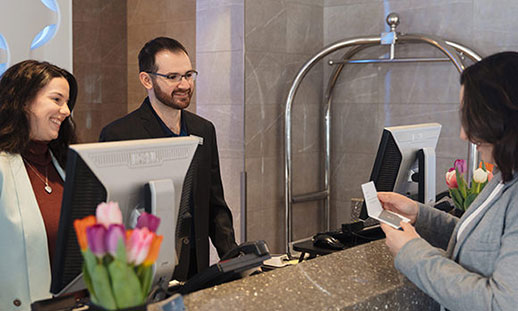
(220, 92)
(100, 64)
(279, 38)
(107, 38)
(148, 19)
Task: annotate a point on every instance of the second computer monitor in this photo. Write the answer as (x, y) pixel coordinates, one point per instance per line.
(405, 161)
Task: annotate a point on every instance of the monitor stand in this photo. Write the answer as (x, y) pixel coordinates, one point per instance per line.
(426, 175)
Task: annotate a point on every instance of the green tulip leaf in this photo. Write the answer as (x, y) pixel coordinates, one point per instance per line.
(90, 260)
(457, 198)
(461, 183)
(125, 284)
(101, 283)
(145, 274)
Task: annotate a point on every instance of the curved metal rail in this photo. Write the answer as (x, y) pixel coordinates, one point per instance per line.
(454, 53)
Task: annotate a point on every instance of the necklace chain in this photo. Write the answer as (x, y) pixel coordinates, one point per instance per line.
(48, 188)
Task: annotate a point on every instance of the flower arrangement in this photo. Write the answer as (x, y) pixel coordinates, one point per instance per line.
(118, 263)
(461, 193)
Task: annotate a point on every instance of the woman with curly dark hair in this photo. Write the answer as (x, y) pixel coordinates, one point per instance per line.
(36, 99)
(470, 263)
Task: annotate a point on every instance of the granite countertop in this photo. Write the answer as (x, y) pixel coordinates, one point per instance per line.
(359, 278)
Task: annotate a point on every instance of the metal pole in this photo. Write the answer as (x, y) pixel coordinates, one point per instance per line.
(287, 126)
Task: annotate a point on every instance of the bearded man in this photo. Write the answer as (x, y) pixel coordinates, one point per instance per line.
(167, 75)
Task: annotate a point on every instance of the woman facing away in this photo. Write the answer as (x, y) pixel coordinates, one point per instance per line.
(35, 131)
(470, 263)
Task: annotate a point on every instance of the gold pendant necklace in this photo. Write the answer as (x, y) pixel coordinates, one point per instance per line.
(47, 188)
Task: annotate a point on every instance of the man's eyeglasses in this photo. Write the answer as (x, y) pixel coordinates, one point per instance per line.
(176, 77)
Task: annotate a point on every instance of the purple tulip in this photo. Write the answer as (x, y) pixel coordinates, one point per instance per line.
(460, 165)
(148, 221)
(95, 235)
(114, 234)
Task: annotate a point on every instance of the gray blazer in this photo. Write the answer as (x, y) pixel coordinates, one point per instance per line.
(480, 270)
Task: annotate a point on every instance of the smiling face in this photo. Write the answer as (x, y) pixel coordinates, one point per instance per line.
(485, 149)
(48, 110)
(173, 94)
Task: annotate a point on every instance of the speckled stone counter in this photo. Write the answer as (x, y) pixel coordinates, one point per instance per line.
(359, 278)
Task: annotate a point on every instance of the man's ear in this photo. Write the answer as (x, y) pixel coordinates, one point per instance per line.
(145, 80)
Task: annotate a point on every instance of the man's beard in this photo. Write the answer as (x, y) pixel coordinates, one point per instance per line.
(169, 100)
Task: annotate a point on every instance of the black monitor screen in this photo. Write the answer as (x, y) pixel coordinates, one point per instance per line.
(83, 185)
(386, 166)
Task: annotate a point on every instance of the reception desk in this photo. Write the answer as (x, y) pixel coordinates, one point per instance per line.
(359, 278)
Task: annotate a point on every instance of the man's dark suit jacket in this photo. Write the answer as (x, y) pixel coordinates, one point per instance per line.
(212, 217)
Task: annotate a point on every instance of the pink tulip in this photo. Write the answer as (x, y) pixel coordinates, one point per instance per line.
(148, 221)
(108, 213)
(460, 165)
(138, 244)
(95, 235)
(451, 179)
(114, 234)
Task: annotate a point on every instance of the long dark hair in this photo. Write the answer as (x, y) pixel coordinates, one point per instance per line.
(19, 85)
(489, 111)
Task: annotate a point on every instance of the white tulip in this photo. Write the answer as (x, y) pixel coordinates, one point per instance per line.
(480, 176)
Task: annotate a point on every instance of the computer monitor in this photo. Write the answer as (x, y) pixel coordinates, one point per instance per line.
(405, 161)
(134, 173)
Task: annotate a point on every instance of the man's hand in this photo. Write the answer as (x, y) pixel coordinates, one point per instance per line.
(397, 238)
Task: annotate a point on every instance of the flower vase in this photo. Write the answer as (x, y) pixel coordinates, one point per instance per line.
(456, 212)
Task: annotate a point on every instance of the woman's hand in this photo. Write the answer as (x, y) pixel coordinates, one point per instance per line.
(397, 238)
(399, 204)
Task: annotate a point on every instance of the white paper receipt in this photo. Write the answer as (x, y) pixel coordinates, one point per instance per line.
(376, 211)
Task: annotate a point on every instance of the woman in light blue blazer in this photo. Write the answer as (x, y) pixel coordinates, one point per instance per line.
(35, 131)
(471, 263)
